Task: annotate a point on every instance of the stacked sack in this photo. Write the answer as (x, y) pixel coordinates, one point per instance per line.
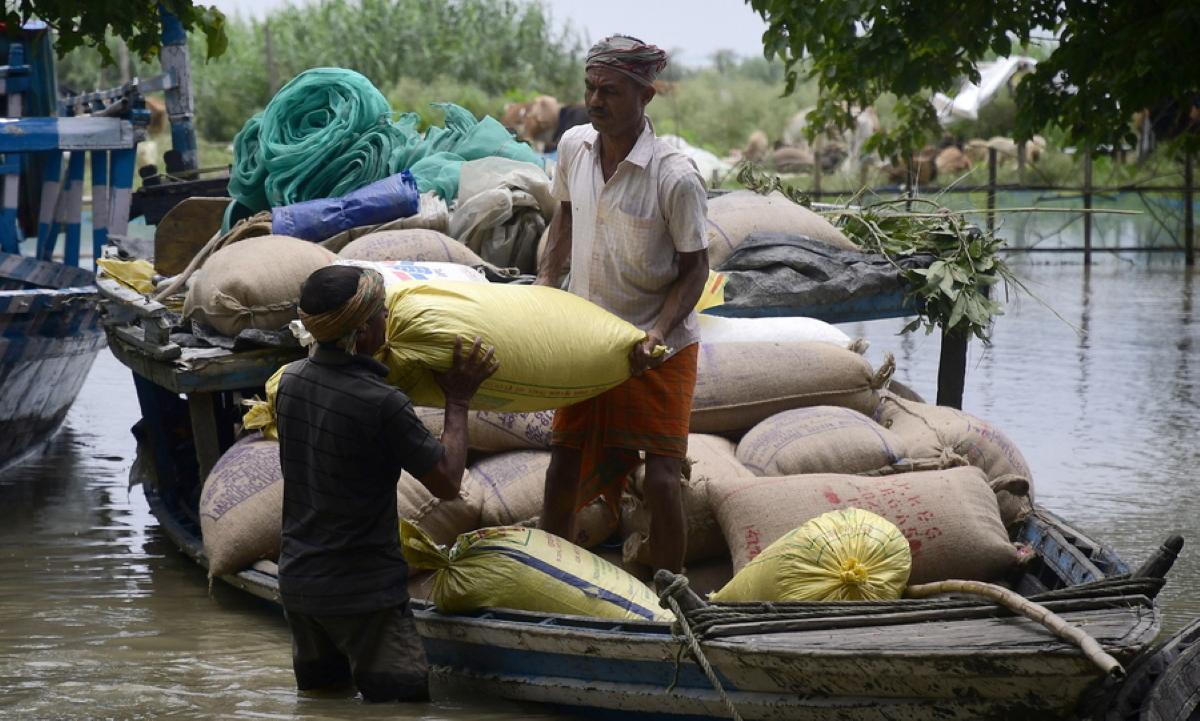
(949, 482)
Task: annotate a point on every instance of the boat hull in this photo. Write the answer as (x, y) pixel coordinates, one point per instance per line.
(1001, 668)
(50, 335)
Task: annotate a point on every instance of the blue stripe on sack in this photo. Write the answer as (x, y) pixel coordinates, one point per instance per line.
(587, 587)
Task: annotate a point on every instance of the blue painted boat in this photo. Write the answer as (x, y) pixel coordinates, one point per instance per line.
(50, 329)
(51, 334)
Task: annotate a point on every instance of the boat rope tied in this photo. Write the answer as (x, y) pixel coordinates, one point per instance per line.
(688, 640)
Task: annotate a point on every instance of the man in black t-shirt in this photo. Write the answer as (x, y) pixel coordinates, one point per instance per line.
(345, 436)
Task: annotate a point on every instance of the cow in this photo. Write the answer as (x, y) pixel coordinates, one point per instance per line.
(756, 147)
(534, 121)
(1162, 122)
(568, 117)
(852, 141)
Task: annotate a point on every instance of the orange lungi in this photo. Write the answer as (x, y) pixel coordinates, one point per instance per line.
(650, 412)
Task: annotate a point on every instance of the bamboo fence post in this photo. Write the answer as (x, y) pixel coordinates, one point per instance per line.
(1189, 230)
(1087, 208)
(991, 192)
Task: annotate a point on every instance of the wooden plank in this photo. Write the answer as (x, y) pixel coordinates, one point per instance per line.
(204, 431)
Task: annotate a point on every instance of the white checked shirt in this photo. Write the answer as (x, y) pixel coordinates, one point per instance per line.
(627, 232)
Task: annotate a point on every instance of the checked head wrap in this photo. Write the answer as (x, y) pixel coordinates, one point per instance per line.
(628, 55)
(339, 325)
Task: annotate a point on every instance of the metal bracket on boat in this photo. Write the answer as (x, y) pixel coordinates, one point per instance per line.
(135, 319)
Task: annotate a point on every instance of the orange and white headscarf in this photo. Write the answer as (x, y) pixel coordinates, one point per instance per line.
(342, 323)
(628, 55)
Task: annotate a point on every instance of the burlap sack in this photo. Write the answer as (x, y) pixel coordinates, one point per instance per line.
(442, 520)
(241, 506)
(707, 457)
(417, 244)
(254, 283)
(738, 385)
(949, 517)
(513, 485)
(707, 576)
(821, 439)
(495, 432)
(733, 216)
(949, 437)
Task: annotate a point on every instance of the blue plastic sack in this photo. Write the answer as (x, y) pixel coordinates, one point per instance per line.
(385, 200)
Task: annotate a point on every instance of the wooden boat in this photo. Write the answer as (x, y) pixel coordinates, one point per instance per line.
(51, 334)
(50, 330)
(937, 658)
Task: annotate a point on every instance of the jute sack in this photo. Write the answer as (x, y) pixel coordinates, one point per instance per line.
(419, 244)
(709, 575)
(707, 457)
(241, 506)
(513, 484)
(821, 439)
(254, 283)
(738, 385)
(555, 348)
(949, 517)
(733, 216)
(443, 520)
(949, 437)
(494, 432)
(529, 570)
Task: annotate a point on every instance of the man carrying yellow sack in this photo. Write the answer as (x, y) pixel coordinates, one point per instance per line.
(344, 438)
(632, 224)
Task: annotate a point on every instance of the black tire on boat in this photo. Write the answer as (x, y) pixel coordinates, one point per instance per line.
(1162, 684)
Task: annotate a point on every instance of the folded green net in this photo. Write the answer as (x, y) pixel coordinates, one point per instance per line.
(330, 131)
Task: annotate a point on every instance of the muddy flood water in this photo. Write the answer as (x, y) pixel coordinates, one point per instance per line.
(101, 617)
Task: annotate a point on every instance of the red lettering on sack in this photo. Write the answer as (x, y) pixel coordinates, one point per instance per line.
(753, 545)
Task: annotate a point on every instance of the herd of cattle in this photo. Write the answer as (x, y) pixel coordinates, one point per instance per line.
(543, 120)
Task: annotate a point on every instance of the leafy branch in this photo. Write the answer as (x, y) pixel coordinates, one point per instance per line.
(755, 177)
(953, 292)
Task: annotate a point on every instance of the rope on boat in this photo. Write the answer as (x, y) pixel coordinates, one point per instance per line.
(689, 640)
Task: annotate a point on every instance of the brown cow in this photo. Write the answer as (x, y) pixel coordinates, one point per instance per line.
(850, 142)
(533, 122)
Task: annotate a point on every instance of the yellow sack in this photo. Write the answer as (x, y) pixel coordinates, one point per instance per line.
(844, 555)
(260, 414)
(136, 275)
(714, 291)
(529, 570)
(555, 348)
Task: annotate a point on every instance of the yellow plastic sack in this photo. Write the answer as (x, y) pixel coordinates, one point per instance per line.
(529, 570)
(844, 555)
(260, 414)
(134, 274)
(555, 348)
(714, 291)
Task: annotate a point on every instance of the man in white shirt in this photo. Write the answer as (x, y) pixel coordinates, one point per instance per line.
(632, 225)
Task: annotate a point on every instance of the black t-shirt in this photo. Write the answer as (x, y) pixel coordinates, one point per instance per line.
(344, 437)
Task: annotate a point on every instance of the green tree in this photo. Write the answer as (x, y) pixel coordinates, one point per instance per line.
(1112, 58)
(86, 23)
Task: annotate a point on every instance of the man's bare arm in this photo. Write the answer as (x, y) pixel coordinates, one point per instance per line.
(681, 300)
(558, 248)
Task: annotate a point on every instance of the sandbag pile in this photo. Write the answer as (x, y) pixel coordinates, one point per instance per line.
(254, 283)
(809, 429)
(734, 216)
